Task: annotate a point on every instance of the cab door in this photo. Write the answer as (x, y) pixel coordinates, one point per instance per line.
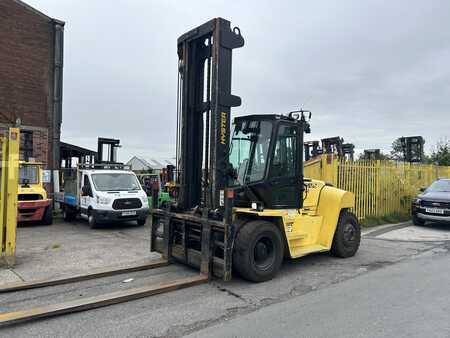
(284, 172)
(85, 193)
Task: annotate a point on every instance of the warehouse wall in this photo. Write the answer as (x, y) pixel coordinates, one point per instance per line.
(29, 74)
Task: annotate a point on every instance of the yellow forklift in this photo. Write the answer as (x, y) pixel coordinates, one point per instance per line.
(33, 202)
(242, 202)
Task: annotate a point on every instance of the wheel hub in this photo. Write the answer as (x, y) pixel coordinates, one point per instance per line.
(264, 253)
(349, 232)
(261, 251)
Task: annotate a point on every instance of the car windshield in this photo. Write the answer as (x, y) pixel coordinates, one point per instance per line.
(28, 174)
(115, 182)
(249, 152)
(439, 186)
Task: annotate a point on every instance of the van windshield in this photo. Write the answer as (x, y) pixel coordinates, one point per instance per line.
(115, 182)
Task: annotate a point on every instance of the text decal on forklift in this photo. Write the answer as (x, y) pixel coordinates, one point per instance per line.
(223, 128)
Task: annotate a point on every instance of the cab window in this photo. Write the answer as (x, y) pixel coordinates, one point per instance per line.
(284, 159)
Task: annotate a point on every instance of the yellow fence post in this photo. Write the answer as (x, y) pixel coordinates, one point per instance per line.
(10, 177)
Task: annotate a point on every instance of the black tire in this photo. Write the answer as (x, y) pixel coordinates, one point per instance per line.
(347, 236)
(47, 219)
(92, 221)
(141, 221)
(68, 214)
(417, 221)
(258, 251)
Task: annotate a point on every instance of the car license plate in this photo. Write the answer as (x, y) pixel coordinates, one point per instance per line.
(128, 213)
(434, 211)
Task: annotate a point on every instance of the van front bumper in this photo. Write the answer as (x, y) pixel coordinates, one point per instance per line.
(104, 216)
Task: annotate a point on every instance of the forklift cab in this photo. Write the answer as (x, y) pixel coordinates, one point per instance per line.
(267, 161)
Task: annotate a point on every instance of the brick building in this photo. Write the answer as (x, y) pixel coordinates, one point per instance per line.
(31, 60)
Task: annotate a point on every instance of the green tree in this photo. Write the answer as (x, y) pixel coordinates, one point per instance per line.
(441, 153)
(397, 151)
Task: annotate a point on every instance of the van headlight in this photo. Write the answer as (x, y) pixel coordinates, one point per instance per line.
(103, 200)
(417, 201)
(144, 200)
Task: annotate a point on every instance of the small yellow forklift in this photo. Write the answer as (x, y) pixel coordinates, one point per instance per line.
(33, 203)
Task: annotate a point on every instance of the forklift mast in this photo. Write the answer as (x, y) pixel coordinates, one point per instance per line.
(112, 145)
(348, 151)
(412, 147)
(333, 145)
(312, 149)
(372, 154)
(203, 120)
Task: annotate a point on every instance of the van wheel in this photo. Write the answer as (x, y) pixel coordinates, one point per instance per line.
(68, 214)
(48, 216)
(258, 251)
(347, 236)
(141, 221)
(91, 220)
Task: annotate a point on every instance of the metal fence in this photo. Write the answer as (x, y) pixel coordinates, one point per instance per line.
(381, 188)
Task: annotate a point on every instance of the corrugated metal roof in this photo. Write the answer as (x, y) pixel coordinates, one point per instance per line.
(152, 163)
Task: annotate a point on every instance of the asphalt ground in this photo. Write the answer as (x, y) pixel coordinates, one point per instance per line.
(69, 248)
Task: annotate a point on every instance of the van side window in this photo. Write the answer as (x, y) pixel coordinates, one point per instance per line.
(87, 183)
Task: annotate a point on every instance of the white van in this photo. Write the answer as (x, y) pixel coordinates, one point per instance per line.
(103, 193)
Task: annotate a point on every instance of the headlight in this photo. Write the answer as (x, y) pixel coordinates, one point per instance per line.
(417, 201)
(103, 200)
(144, 200)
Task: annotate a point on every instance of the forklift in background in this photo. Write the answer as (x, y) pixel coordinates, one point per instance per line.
(33, 202)
(242, 203)
(412, 147)
(372, 154)
(312, 149)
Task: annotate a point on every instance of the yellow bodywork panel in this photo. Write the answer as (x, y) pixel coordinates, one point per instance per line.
(310, 229)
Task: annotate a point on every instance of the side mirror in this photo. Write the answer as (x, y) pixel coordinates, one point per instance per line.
(422, 189)
(85, 190)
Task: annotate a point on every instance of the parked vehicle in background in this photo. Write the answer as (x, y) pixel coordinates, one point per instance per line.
(433, 203)
(151, 183)
(103, 193)
(33, 203)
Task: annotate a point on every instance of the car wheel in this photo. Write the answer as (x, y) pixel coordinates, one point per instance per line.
(417, 221)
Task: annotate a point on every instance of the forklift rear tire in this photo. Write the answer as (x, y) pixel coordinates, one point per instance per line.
(141, 221)
(258, 251)
(347, 236)
(48, 216)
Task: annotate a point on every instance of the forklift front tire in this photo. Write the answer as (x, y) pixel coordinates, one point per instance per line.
(258, 251)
